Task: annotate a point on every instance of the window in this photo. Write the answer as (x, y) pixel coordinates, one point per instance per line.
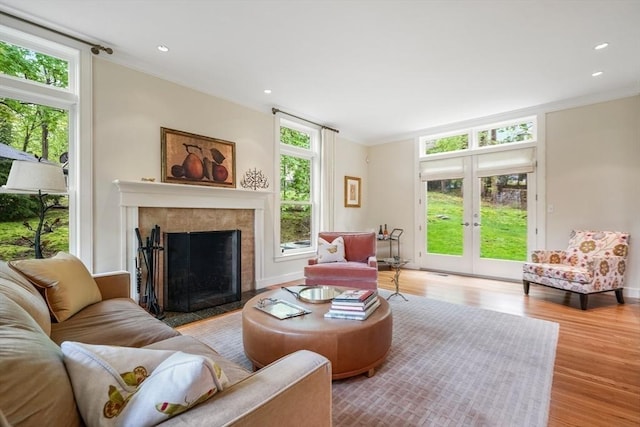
(521, 131)
(515, 131)
(298, 213)
(444, 144)
(40, 116)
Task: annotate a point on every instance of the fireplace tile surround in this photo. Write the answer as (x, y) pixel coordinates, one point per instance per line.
(176, 207)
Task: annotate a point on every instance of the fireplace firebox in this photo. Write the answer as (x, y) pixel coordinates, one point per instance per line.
(202, 269)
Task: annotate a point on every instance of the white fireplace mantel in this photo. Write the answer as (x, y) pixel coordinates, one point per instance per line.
(137, 194)
(163, 195)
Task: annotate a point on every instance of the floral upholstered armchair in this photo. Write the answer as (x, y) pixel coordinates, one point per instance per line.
(594, 261)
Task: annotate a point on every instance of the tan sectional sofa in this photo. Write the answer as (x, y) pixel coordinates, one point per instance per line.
(35, 389)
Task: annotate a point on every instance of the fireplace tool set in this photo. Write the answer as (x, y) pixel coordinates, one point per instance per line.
(149, 254)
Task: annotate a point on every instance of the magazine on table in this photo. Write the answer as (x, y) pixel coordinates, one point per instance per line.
(355, 307)
(369, 295)
(355, 295)
(280, 308)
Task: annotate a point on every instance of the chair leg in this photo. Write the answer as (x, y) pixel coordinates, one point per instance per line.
(619, 296)
(525, 284)
(584, 299)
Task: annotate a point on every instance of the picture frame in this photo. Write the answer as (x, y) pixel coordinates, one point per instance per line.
(193, 159)
(352, 192)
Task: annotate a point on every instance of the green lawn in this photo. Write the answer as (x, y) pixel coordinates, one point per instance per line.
(504, 229)
(17, 240)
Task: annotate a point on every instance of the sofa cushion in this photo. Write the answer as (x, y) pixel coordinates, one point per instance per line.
(20, 290)
(133, 386)
(559, 271)
(35, 389)
(343, 271)
(188, 344)
(67, 284)
(358, 246)
(117, 321)
(331, 252)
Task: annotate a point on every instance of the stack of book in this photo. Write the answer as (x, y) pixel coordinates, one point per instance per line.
(354, 305)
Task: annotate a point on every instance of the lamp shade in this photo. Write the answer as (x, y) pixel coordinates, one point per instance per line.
(33, 176)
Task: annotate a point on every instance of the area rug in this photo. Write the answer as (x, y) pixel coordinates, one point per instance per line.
(449, 365)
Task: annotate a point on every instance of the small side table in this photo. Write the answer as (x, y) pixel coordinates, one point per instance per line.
(396, 263)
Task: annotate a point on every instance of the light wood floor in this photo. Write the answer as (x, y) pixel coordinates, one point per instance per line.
(597, 371)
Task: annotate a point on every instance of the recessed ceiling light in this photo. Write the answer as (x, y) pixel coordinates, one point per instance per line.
(601, 46)
(163, 48)
(597, 73)
(267, 91)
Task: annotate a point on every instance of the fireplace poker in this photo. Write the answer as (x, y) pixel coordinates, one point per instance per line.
(151, 291)
(156, 270)
(142, 251)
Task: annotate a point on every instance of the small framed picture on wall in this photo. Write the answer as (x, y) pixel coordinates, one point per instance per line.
(352, 192)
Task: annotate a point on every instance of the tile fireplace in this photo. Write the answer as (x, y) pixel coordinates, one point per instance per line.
(184, 208)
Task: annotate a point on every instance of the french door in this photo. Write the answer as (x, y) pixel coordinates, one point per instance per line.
(478, 212)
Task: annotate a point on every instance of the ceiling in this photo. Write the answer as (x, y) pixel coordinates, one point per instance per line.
(375, 70)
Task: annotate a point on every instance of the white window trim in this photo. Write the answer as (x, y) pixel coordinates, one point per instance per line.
(77, 100)
(472, 132)
(312, 154)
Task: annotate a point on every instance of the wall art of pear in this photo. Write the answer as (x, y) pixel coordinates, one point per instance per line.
(194, 159)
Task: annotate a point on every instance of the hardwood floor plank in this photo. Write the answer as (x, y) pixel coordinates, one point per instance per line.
(597, 369)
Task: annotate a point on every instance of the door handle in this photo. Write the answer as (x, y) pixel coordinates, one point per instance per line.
(466, 224)
(476, 224)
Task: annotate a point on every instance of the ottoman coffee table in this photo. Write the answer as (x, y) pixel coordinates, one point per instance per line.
(354, 347)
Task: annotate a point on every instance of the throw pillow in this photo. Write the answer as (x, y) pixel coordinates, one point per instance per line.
(331, 252)
(34, 387)
(68, 285)
(14, 286)
(136, 386)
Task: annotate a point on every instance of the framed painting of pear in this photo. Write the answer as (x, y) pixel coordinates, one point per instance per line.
(197, 160)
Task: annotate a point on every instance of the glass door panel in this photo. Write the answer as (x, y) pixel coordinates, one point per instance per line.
(503, 217)
(444, 217)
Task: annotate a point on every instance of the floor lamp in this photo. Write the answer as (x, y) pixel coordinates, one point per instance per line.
(40, 179)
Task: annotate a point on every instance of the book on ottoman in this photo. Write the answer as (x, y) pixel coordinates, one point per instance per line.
(351, 313)
(357, 298)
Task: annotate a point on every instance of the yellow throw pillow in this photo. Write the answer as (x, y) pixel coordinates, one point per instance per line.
(68, 285)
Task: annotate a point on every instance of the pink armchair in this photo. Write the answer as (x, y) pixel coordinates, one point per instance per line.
(358, 270)
(595, 261)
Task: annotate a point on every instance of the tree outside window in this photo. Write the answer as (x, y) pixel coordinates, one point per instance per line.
(29, 129)
(297, 157)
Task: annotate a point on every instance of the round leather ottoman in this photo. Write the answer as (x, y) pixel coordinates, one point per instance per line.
(353, 346)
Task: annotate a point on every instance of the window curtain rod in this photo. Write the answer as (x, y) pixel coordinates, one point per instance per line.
(275, 110)
(95, 48)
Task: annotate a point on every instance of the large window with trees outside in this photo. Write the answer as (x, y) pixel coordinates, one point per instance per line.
(298, 148)
(38, 96)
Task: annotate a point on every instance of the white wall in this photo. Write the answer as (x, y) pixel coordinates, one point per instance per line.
(129, 109)
(351, 160)
(392, 177)
(592, 178)
(593, 175)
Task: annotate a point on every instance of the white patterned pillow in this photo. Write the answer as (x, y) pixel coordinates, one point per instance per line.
(331, 252)
(120, 386)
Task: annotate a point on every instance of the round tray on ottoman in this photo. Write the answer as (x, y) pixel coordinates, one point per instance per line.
(353, 346)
